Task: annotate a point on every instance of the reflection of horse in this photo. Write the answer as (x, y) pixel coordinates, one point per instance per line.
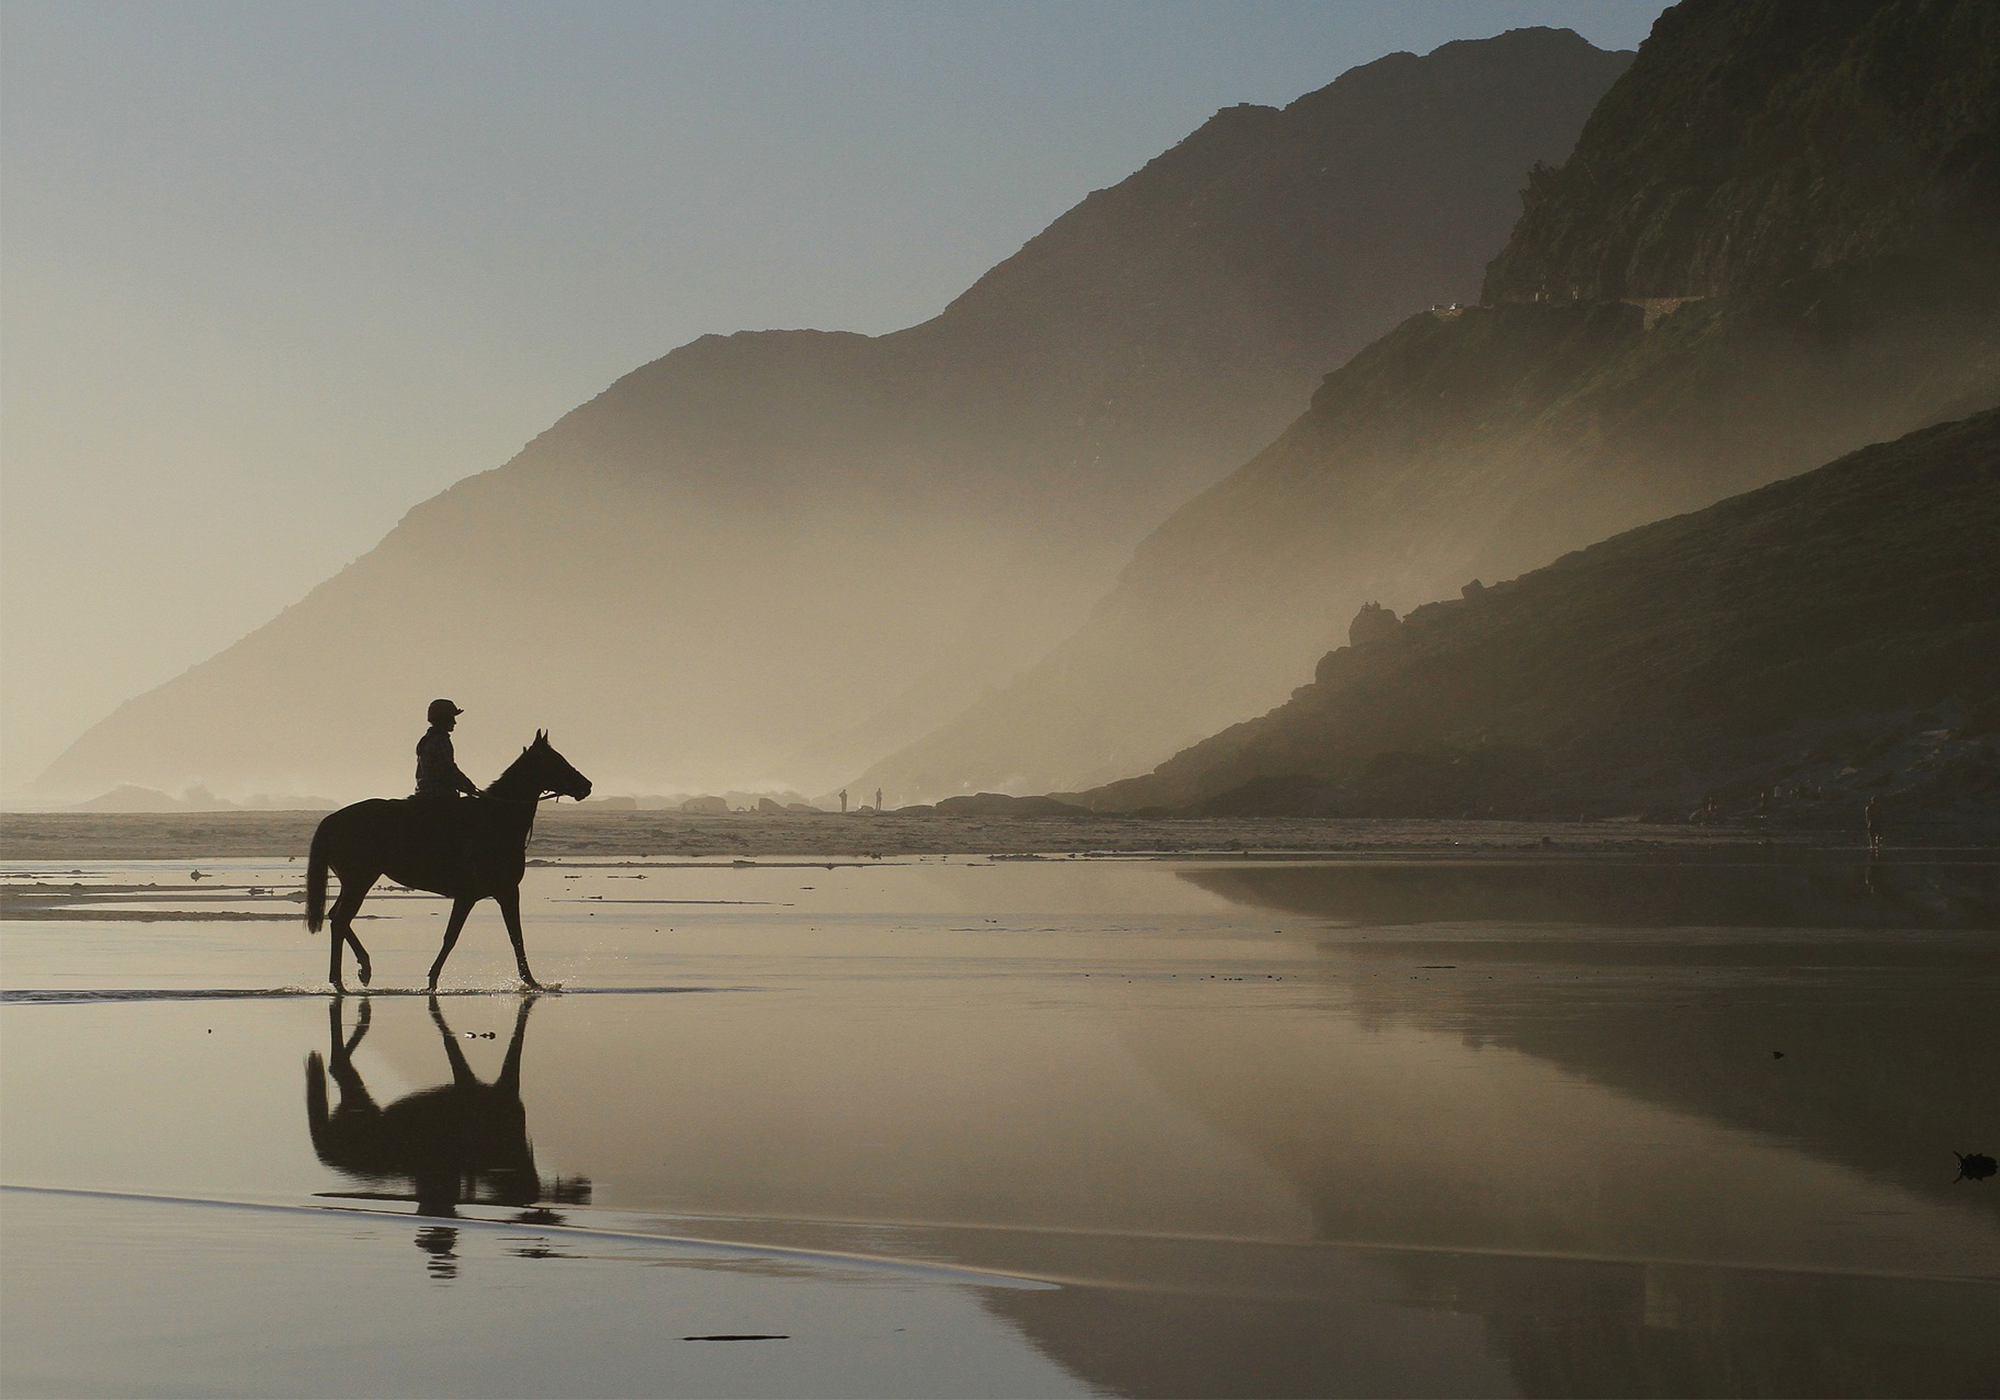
(470, 849)
(462, 1142)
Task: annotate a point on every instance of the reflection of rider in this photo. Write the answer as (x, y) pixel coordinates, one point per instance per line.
(438, 773)
(464, 1142)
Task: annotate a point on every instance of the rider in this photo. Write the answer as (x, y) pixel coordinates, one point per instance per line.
(438, 773)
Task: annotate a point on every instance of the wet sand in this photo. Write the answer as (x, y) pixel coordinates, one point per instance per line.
(1407, 1119)
(587, 831)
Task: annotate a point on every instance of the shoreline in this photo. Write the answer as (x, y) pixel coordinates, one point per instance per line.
(567, 832)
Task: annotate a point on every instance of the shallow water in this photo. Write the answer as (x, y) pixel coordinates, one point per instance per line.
(984, 1126)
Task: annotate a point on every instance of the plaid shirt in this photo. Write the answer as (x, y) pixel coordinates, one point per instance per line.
(437, 767)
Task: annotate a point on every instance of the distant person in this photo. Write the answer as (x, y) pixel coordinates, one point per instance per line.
(438, 773)
(843, 799)
(878, 799)
(1873, 816)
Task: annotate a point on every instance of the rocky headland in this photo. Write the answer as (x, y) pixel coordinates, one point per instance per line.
(1782, 657)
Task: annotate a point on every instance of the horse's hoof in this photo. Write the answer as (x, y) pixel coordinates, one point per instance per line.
(364, 972)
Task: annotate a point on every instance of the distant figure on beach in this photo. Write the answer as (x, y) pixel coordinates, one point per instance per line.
(1873, 815)
(843, 799)
(438, 773)
(878, 799)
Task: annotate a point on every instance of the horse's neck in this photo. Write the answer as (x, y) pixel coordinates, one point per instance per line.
(517, 813)
(518, 780)
(517, 785)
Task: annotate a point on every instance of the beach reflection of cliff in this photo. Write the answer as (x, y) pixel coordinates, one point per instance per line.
(1589, 1153)
(1747, 889)
(1842, 1007)
(1439, 1323)
(464, 1142)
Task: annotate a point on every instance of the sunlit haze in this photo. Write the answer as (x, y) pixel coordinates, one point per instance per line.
(274, 274)
(1041, 697)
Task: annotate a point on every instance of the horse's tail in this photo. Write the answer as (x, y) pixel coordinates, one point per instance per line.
(315, 1097)
(316, 881)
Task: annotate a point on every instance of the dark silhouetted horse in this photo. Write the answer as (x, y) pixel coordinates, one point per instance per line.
(465, 1142)
(468, 849)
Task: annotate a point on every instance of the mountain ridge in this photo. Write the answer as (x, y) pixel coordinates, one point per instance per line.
(1487, 440)
(760, 541)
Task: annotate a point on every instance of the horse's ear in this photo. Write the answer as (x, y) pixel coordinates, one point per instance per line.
(541, 736)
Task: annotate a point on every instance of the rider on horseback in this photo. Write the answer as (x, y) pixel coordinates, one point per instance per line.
(438, 773)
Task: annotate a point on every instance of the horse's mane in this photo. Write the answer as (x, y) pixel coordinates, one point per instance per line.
(518, 782)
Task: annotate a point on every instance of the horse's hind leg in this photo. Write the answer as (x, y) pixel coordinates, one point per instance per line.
(363, 969)
(510, 909)
(353, 889)
(460, 908)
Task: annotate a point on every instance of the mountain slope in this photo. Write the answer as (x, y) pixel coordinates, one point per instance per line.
(1800, 137)
(793, 549)
(1796, 633)
(1486, 442)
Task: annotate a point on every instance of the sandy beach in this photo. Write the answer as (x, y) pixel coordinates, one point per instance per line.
(567, 830)
(1400, 1110)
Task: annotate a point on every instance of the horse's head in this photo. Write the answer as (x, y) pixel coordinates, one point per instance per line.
(551, 771)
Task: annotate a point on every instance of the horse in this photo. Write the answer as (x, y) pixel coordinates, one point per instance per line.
(458, 1143)
(466, 849)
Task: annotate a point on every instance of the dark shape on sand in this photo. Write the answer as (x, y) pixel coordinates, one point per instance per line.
(465, 1142)
(741, 1337)
(1000, 804)
(441, 1243)
(469, 850)
(1974, 1166)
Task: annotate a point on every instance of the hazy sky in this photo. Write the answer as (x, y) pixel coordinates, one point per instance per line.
(271, 273)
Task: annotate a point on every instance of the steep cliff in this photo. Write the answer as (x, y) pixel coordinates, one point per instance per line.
(1483, 442)
(1758, 140)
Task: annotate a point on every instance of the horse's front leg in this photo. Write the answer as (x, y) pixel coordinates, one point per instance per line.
(352, 1090)
(461, 1073)
(509, 900)
(461, 907)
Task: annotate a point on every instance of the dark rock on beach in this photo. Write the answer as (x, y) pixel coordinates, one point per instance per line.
(995, 804)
